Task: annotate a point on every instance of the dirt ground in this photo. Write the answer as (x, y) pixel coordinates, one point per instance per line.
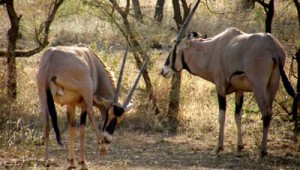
(139, 150)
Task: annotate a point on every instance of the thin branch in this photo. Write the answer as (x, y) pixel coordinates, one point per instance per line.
(224, 13)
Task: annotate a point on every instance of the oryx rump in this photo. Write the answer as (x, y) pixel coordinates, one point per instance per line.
(75, 76)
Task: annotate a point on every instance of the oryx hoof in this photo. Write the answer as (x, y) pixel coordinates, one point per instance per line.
(83, 165)
(72, 164)
(103, 150)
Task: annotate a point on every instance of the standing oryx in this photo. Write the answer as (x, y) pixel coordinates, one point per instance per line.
(235, 62)
(75, 76)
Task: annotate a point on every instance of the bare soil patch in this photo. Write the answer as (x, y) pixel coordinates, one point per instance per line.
(140, 150)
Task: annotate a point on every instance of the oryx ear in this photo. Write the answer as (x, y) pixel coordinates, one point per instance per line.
(102, 101)
(193, 35)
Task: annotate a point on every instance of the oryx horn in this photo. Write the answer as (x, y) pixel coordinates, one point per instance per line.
(117, 93)
(186, 22)
(128, 98)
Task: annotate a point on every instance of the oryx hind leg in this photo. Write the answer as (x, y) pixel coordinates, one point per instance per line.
(82, 161)
(239, 98)
(71, 124)
(261, 97)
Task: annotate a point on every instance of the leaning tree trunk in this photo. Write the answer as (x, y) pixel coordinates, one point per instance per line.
(137, 50)
(12, 41)
(137, 10)
(159, 10)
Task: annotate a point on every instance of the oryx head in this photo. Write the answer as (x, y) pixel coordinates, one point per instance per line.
(116, 112)
(174, 61)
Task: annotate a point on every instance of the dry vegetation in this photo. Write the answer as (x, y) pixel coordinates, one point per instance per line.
(143, 140)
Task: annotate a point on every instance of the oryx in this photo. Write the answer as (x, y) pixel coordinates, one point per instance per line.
(236, 62)
(75, 76)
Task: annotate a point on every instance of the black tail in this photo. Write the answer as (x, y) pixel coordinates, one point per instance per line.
(286, 83)
(53, 115)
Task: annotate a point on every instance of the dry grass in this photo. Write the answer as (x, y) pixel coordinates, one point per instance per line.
(21, 125)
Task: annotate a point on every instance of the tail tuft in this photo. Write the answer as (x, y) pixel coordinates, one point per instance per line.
(286, 83)
(53, 115)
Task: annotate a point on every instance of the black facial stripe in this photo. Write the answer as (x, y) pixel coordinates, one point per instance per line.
(118, 111)
(112, 125)
(222, 102)
(184, 64)
(174, 57)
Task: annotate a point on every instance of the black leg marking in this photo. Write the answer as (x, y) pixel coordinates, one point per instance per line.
(239, 105)
(266, 120)
(83, 118)
(222, 102)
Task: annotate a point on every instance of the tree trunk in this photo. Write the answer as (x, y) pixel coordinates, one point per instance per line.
(269, 9)
(137, 10)
(12, 41)
(269, 17)
(12, 34)
(174, 96)
(159, 10)
(177, 14)
(297, 4)
(296, 102)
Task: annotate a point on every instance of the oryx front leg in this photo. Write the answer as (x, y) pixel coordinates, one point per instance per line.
(239, 97)
(71, 125)
(82, 162)
(222, 110)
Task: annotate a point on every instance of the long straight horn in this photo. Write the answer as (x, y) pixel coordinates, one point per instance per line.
(128, 98)
(186, 22)
(117, 93)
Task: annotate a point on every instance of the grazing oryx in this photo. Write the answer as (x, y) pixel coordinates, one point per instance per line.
(235, 62)
(75, 76)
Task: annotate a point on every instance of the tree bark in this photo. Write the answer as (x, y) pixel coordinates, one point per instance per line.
(269, 17)
(159, 11)
(269, 9)
(174, 96)
(296, 99)
(177, 14)
(12, 40)
(297, 4)
(137, 10)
